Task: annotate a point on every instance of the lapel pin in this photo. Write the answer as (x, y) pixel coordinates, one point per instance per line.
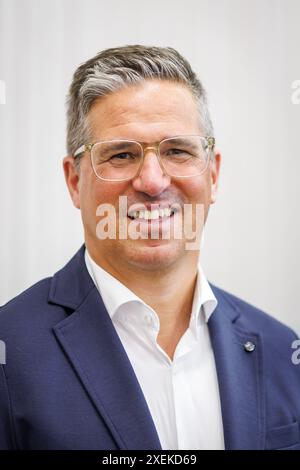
(249, 346)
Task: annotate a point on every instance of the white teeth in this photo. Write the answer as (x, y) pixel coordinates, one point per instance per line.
(152, 215)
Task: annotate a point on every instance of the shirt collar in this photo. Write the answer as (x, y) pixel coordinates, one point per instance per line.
(203, 297)
(115, 294)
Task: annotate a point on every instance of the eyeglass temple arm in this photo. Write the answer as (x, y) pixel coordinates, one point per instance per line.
(82, 149)
(211, 142)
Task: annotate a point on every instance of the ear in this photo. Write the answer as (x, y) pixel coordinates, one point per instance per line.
(72, 179)
(214, 176)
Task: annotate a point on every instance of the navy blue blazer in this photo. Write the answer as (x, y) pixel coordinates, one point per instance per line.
(68, 383)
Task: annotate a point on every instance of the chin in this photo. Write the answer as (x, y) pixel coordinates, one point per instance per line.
(154, 255)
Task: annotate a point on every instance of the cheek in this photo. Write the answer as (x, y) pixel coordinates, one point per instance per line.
(197, 190)
(198, 193)
(94, 192)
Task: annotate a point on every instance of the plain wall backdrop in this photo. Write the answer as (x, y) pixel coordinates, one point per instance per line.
(247, 55)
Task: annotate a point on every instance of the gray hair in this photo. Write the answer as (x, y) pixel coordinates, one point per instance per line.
(115, 68)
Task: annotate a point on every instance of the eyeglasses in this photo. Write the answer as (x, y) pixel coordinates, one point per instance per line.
(121, 159)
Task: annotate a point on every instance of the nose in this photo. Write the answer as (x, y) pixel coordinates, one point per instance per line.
(151, 178)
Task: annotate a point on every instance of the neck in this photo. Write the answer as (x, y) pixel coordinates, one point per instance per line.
(169, 292)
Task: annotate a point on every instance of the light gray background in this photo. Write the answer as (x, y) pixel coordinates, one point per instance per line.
(247, 55)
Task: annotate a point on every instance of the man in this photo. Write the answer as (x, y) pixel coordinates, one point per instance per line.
(128, 346)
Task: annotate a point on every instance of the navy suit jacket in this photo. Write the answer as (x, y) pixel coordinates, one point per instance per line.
(68, 383)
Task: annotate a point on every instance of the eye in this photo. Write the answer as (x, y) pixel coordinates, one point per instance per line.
(176, 151)
(122, 159)
(121, 156)
(178, 154)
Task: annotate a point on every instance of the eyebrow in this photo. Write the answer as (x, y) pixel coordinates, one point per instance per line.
(116, 145)
(178, 140)
(175, 139)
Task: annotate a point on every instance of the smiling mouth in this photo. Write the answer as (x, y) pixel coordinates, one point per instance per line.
(154, 214)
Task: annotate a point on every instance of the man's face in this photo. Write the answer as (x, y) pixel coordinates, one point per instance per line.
(147, 112)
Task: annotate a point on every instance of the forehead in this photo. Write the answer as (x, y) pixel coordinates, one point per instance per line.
(148, 111)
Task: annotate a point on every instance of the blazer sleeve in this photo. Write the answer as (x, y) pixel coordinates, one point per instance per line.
(6, 431)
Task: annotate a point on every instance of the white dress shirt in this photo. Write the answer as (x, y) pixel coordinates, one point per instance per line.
(183, 394)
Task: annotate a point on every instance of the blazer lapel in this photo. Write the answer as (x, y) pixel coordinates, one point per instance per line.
(93, 347)
(240, 378)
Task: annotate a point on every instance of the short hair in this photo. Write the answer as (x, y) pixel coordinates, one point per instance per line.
(114, 68)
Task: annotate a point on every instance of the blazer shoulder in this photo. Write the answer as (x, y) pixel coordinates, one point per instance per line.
(35, 291)
(253, 318)
(26, 304)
